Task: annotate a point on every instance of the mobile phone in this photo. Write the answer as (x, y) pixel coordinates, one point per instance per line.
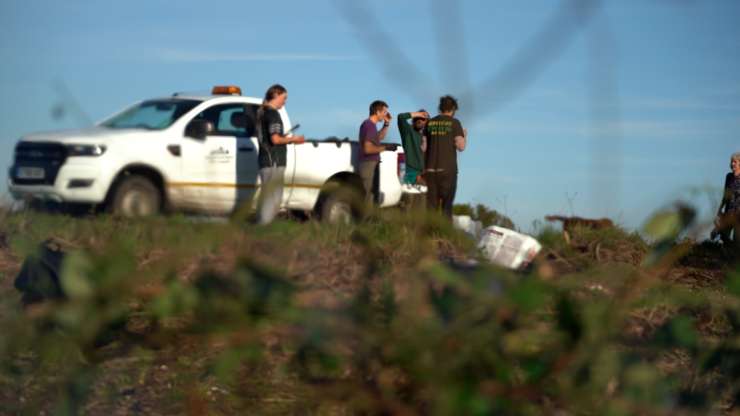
(292, 129)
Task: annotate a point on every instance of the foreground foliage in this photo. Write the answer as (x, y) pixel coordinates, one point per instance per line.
(171, 315)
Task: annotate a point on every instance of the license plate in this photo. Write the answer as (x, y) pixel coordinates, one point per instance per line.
(31, 173)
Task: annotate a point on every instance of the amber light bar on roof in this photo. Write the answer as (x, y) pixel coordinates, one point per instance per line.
(226, 90)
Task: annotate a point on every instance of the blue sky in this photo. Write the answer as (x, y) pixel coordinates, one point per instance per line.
(638, 106)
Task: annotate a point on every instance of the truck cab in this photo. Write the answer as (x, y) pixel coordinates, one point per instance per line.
(190, 153)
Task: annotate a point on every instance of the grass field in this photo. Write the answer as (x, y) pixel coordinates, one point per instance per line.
(173, 316)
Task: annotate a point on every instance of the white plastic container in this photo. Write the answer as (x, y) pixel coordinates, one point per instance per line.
(508, 248)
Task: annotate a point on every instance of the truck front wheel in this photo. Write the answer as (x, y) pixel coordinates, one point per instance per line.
(343, 205)
(136, 196)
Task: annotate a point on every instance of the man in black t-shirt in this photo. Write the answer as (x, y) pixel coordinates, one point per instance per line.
(444, 136)
(271, 155)
(273, 152)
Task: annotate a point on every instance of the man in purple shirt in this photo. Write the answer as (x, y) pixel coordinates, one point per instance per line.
(370, 147)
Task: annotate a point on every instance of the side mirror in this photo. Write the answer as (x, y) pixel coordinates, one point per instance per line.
(199, 129)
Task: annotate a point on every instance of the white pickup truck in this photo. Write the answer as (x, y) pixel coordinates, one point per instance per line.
(193, 154)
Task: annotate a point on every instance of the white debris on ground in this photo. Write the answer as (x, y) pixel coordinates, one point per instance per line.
(501, 246)
(408, 188)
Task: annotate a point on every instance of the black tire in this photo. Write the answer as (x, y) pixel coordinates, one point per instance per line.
(135, 196)
(342, 204)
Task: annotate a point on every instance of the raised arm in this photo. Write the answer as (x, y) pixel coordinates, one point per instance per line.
(386, 123)
(403, 120)
(403, 123)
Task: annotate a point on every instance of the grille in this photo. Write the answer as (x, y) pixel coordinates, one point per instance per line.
(49, 156)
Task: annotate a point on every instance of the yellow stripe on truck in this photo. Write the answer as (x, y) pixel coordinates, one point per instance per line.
(232, 185)
(212, 185)
(303, 185)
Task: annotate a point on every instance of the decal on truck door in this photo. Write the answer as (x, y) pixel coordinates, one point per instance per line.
(219, 155)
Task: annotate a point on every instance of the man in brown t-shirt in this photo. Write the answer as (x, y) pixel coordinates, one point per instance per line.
(444, 136)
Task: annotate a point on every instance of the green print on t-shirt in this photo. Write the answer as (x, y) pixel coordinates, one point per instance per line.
(439, 127)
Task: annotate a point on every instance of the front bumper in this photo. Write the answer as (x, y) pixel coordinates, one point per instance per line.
(73, 183)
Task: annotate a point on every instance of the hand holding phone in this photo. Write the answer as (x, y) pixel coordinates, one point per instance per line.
(292, 129)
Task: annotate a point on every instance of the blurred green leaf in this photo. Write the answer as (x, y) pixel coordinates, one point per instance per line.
(228, 363)
(535, 369)
(76, 392)
(177, 299)
(529, 294)
(733, 283)
(667, 225)
(684, 332)
(664, 226)
(75, 279)
(640, 382)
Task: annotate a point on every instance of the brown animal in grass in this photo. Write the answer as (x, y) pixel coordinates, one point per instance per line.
(569, 223)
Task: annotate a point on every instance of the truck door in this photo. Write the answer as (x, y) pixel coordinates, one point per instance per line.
(210, 177)
(247, 165)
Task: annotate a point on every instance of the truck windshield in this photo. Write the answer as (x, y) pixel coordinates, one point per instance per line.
(151, 115)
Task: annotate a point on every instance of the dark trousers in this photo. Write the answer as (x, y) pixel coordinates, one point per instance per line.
(441, 189)
(729, 223)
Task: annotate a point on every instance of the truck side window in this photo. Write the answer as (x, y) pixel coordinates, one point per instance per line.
(231, 119)
(251, 113)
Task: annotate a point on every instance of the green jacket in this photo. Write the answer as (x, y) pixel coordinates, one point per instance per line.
(411, 140)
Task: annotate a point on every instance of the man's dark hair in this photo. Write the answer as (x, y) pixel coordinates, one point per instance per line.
(274, 91)
(270, 94)
(447, 103)
(376, 106)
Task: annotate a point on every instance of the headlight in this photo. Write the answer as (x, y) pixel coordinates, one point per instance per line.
(85, 149)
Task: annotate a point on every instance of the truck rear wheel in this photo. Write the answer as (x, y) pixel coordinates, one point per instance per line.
(343, 205)
(136, 196)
